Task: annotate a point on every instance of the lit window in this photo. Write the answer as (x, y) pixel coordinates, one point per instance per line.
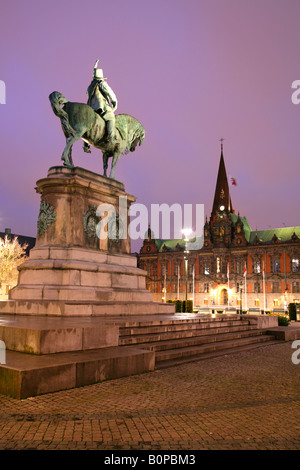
(257, 287)
(275, 286)
(295, 265)
(276, 303)
(276, 266)
(206, 269)
(257, 303)
(296, 287)
(206, 287)
(256, 266)
(239, 267)
(205, 301)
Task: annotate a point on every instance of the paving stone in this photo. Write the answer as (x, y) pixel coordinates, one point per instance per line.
(248, 400)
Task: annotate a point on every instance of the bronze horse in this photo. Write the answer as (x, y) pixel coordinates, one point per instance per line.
(80, 121)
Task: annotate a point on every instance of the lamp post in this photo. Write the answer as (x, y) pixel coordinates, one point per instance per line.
(164, 295)
(285, 299)
(213, 292)
(186, 232)
(186, 274)
(241, 289)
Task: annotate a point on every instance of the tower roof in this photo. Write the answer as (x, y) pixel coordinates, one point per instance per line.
(222, 195)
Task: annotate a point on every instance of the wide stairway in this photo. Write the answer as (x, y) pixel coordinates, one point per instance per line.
(185, 340)
(45, 354)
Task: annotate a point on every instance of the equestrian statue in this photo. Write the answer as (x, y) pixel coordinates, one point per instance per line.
(96, 124)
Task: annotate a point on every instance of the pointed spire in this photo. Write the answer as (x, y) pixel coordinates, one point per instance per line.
(222, 196)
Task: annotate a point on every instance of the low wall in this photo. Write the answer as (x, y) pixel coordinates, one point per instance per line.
(265, 321)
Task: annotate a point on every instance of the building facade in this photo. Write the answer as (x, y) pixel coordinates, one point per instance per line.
(236, 267)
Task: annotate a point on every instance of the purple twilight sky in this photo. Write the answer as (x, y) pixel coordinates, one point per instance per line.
(192, 71)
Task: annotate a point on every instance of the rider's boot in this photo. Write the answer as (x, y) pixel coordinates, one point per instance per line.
(110, 132)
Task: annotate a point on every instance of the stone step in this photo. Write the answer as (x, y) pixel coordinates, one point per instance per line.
(44, 338)
(189, 352)
(183, 324)
(26, 375)
(182, 319)
(187, 342)
(168, 333)
(213, 354)
(188, 320)
(205, 319)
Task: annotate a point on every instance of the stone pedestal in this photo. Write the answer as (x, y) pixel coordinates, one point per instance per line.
(81, 264)
(80, 271)
(68, 215)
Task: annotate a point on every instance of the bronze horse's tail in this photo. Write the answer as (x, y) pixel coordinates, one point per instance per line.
(57, 100)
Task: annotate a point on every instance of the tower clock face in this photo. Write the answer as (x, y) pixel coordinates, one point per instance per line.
(222, 207)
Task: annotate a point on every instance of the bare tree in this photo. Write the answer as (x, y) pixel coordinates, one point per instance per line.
(12, 254)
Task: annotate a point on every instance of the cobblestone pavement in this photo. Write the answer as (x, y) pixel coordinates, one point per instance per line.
(248, 400)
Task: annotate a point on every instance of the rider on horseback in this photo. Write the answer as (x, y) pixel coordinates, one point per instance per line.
(104, 101)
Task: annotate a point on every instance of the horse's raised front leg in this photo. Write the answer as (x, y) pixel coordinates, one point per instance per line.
(67, 153)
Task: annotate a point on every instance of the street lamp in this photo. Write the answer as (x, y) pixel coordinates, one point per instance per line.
(164, 294)
(186, 232)
(229, 297)
(285, 297)
(214, 293)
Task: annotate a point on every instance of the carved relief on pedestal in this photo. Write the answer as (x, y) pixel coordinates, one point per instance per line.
(90, 221)
(47, 215)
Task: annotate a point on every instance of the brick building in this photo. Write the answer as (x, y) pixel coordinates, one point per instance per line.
(260, 269)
